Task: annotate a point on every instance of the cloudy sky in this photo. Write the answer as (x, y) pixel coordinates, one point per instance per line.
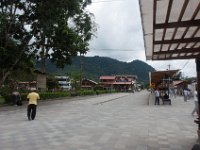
(120, 35)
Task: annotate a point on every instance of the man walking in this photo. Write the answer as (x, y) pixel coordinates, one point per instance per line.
(157, 97)
(32, 97)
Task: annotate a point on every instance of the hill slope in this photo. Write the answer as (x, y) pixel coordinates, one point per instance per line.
(93, 67)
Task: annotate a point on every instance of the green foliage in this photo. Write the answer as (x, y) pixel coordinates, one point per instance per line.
(6, 94)
(47, 95)
(93, 67)
(86, 92)
(32, 28)
(53, 95)
(52, 83)
(2, 100)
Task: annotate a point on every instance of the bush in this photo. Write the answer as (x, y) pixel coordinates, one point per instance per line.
(5, 93)
(47, 95)
(86, 92)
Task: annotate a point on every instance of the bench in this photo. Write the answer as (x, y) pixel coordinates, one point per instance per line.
(166, 100)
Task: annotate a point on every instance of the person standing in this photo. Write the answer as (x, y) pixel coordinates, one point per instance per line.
(185, 95)
(196, 108)
(16, 97)
(32, 97)
(157, 97)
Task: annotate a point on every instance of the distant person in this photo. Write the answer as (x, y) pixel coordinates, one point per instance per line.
(32, 97)
(185, 95)
(16, 98)
(196, 106)
(157, 97)
(166, 96)
(175, 92)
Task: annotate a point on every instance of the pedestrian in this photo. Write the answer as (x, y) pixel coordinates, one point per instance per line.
(175, 92)
(32, 97)
(16, 97)
(157, 97)
(196, 106)
(185, 95)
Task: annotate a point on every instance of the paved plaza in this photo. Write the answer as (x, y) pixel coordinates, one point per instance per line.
(123, 121)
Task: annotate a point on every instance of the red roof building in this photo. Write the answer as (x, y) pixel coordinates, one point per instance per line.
(119, 82)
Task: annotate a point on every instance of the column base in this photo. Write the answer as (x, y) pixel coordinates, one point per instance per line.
(198, 138)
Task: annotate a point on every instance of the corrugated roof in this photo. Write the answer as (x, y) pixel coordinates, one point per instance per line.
(107, 77)
(177, 82)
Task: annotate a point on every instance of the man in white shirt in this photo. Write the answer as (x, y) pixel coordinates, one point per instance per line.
(157, 97)
(196, 108)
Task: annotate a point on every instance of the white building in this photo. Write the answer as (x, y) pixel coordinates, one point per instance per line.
(64, 82)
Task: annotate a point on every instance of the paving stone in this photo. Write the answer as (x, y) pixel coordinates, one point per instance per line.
(121, 121)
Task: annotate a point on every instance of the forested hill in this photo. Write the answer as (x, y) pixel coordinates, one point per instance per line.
(93, 67)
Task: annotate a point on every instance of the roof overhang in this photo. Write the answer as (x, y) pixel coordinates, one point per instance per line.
(171, 29)
(157, 76)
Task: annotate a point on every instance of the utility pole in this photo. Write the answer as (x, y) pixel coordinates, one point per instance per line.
(168, 78)
(81, 70)
(169, 66)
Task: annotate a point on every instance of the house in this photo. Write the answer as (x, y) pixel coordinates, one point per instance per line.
(88, 84)
(27, 85)
(179, 85)
(64, 82)
(41, 80)
(119, 82)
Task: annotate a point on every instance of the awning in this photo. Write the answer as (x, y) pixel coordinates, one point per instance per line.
(157, 76)
(171, 28)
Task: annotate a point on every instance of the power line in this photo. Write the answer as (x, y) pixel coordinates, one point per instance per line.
(107, 1)
(108, 49)
(185, 64)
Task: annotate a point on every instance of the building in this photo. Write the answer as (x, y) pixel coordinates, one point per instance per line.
(88, 84)
(41, 80)
(64, 82)
(119, 82)
(27, 85)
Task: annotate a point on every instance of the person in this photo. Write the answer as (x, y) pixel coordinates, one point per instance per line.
(175, 92)
(196, 109)
(166, 96)
(157, 97)
(16, 98)
(32, 97)
(185, 95)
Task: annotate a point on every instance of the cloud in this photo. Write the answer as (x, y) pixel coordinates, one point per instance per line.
(120, 35)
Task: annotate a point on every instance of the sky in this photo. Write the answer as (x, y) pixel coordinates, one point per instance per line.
(119, 35)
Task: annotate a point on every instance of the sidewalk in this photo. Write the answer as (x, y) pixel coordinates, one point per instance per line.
(122, 121)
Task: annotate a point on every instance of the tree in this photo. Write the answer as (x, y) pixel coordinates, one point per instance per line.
(52, 83)
(14, 38)
(55, 29)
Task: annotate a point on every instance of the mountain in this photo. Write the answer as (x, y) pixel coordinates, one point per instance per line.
(93, 67)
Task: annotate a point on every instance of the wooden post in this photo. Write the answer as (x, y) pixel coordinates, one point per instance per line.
(198, 93)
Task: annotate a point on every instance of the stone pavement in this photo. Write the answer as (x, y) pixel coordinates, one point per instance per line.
(122, 121)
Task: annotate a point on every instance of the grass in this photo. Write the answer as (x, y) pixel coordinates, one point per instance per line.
(1, 100)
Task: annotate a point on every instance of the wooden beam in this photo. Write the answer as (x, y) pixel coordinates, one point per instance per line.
(180, 18)
(177, 51)
(177, 57)
(186, 40)
(190, 23)
(166, 21)
(154, 20)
